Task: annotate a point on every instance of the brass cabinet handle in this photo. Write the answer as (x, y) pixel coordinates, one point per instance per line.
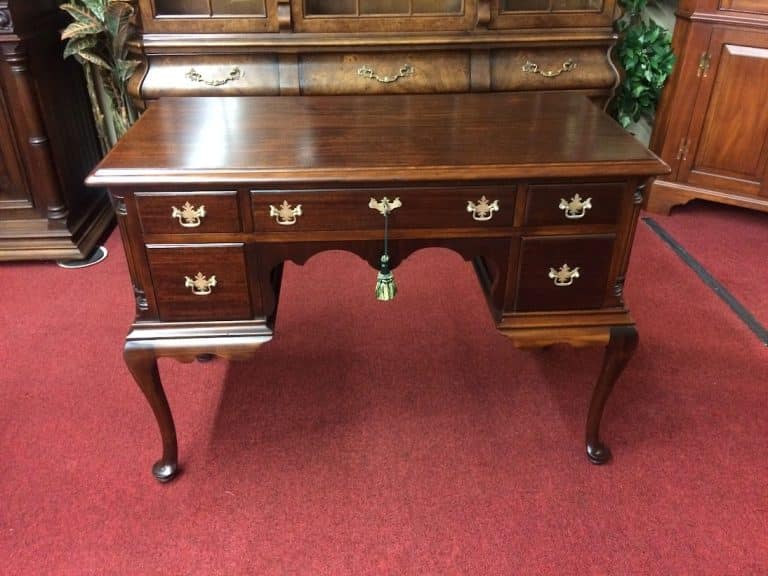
(385, 206)
(234, 75)
(189, 216)
(533, 68)
(368, 72)
(285, 214)
(200, 284)
(483, 209)
(576, 207)
(564, 276)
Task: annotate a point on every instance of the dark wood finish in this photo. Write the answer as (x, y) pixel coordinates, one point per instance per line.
(320, 47)
(222, 212)
(621, 347)
(438, 206)
(712, 128)
(47, 142)
(543, 205)
(171, 264)
(590, 254)
(436, 153)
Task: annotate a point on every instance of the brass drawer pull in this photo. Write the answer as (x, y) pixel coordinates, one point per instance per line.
(533, 68)
(564, 276)
(385, 206)
(201, 285)
(286, 214)
(188, 216)
(368, 72)
(482, 210)
(576, 207)
(234, 75)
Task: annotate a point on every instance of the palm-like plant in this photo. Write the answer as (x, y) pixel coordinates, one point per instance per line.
(98, 39)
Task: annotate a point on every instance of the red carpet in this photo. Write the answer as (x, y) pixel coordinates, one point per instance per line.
(731, 243)
(361, 441)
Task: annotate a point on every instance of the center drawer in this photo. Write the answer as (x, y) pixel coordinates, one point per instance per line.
(385, 72)
(315, 210)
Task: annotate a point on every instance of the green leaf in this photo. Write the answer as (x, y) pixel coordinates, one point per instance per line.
(80, 14)
(124, 69)
(77, 45)
(117, 21)
(96, 6)
(94, 59)
(79, 29)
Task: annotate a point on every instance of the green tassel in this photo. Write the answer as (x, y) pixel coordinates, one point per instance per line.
(385, 282)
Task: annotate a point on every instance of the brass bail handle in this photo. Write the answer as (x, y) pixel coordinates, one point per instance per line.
(366, 71)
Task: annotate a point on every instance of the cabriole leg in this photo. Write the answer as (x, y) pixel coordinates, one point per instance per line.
(142, 362)
(621, 346)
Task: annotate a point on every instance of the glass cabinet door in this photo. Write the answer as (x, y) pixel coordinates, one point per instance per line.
(381, 7)
(550, 5)
(210, 8)
(384, 15)
(214, 16)
(567, 13)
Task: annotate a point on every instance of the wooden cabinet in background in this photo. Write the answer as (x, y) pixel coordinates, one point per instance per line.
(47, 141)
(319, 47)
(712, 125)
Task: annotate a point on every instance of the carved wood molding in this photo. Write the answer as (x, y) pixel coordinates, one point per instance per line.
(284, 15)
(6, 22)
(483, 13)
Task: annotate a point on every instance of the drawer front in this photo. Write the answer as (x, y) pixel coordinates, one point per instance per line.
(573, 204)
(188, 212)
(200, 281)
(212, 75)
(544, 281)
(475, 207)
(552, 69)
(385, 73)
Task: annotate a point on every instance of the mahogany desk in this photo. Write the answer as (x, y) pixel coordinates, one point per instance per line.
(213, 195)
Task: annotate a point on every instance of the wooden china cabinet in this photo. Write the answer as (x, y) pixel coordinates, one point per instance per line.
(47, 141)
(712, 125)
(296, 47)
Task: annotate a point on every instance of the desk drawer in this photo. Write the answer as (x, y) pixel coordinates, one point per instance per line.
(200, 281)
(544, 68)
(563, 272)
(385, 73)
(188, 212)
(249, 74)
(313, 210)
(573, 204)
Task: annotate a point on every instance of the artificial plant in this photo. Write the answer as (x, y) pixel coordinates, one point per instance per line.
(645, 53)
(98, 39)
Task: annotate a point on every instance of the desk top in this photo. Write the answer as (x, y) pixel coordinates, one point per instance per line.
(397, 138)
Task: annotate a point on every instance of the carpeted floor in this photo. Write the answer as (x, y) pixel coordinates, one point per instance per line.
(739, 259)
(371, 438)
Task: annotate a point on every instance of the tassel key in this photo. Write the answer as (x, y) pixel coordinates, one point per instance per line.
(385, 281)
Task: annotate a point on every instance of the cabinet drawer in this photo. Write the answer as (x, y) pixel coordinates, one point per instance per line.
(211, 75)
(543, 280)
(552, 69)
(188, 212)
(471, 207)
(570, 204)
(200, 281)
(385, 73)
